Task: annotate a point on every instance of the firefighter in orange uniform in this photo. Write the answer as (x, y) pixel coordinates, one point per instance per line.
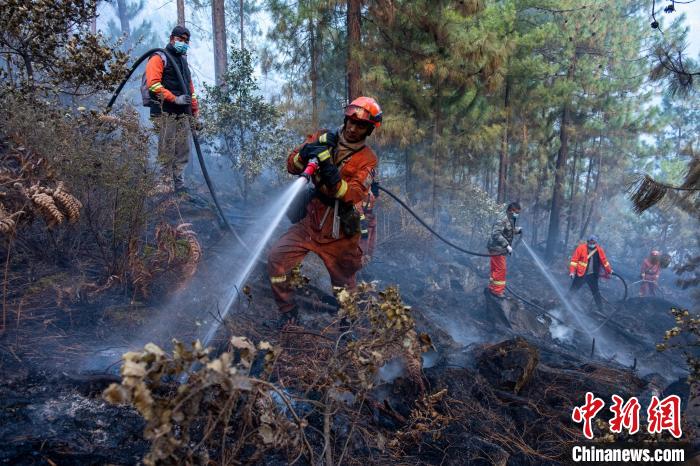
(499, 245)
(585, 265)
(331, 228)
(651, 269)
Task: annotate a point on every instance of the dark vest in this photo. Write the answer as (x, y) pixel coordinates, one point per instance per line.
(171, 83)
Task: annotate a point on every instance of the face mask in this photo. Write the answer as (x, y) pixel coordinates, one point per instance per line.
(181, 47)
(514, 215)
(591, 245)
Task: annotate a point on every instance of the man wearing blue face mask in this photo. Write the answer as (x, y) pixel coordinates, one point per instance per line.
(501, 244)
(170, 107)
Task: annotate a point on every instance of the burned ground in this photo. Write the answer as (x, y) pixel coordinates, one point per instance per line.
(496, 389)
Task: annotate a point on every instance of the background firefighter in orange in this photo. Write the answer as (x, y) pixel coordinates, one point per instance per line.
(501, 243)
(651, 269)
(585, 266)
(331, 227)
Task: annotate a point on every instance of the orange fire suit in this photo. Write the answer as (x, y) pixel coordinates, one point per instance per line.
(587, 266)
(342, 256)
(579, 260)
(650, 276)
(502, 234)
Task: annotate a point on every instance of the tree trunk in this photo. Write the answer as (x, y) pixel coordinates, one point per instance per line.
(123, 14)
(560, 175)
(242, 17)
(593, 197)
(181, 12)
(354, 37)
(313, 74)
(93, 21)
(437, 131)
(522, 163)
(218, 22)
(572, 197)
(503, 159)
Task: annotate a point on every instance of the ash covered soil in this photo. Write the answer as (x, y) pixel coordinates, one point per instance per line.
(513, 373)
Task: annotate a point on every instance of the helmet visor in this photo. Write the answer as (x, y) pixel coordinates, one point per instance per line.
(355, 112)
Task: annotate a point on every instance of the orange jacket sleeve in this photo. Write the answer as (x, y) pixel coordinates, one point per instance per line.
(154, 74)
(574, 260)
(354, 187)
(604, 260)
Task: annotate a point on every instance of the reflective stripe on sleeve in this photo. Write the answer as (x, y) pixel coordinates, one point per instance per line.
(496, 282)
(342, 190)
(278, 279)
(297, 162)
(155, 87)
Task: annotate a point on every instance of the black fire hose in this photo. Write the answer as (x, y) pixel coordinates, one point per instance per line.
(202, 165)
(420, 220)
(624, 283)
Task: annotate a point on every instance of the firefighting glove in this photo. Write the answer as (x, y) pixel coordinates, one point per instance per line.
(330, 174)
(509, 248)
(329, 139)
(311, 150)
(374, 187)
(183, 100)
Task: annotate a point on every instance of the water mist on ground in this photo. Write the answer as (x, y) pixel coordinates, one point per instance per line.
(198, 311)
(274, 216)
(582, 322)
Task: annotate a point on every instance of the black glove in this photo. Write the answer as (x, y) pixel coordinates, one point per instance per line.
(374, 187)
(311, 150)
(330, 174)
(329, 139)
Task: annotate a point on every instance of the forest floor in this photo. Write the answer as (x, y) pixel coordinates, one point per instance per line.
(62, 348)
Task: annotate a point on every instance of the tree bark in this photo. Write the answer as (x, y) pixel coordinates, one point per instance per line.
(560, 174)
(437, 132)
(123, 14)
(354, 8)
(503, 159)
(218, 22)
(241, 17)
(572, 198)
(181, 12)
(313, 74)
(93, 21)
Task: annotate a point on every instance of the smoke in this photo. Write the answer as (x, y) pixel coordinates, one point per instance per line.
(198, 311)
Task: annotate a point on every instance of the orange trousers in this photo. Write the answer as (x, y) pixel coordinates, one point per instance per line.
(497, 277)
(342, 258)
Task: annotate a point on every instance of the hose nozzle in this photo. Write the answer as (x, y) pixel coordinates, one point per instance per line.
(310, 169)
